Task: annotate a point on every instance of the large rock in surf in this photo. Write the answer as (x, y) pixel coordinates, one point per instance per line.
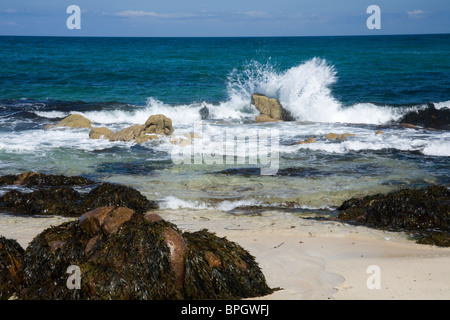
(11, 260)
(101, 133)
(159, 124)
(75, 121)
(57, 195)
(122, 254)
(425, 211)
(128, 134)
(429, 118)
(271, 108)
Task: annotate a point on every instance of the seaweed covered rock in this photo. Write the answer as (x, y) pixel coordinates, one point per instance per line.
(418, 210)
(56, 195)
(11, 259)
(429, 118)
(33, 179)
(140, 257)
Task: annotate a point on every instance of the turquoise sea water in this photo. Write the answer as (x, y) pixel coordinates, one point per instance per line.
(355, 84)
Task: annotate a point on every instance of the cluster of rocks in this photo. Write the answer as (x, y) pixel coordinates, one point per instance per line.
(155, 125)
(57, 195)
(123, 253)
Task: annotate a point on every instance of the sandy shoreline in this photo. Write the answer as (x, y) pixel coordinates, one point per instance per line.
(308, 259)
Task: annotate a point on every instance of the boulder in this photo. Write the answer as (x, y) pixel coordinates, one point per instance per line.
(270, 107)
(11, 260)
(159, 124)
(129, 134)
(421, 211)
(101, 133)
(429, 117)
(262, 118)
(75, 121)
(143, 258)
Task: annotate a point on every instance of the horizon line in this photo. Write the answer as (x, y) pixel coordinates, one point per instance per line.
(241, 36)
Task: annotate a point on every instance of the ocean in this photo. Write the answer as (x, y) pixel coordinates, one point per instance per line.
(347, 84)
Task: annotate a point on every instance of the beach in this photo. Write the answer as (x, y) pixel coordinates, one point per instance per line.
(258, 139)
(307, 259)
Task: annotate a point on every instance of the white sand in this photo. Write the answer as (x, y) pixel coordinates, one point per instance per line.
(308, 259)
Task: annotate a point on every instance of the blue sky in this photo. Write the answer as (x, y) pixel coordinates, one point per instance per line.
(222, 18)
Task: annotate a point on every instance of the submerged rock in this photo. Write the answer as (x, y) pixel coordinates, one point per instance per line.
(11, 260)
(429, 118)
(309, 140)
(416, 210)
(271, 108)
(145, 257)
(51, 198)
(338, 137)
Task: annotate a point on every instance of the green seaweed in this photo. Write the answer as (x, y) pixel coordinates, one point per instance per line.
(419, 210)
(11, 259)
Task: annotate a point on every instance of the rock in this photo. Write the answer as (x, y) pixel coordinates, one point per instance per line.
(108, 194)
(204, 113)
(192, 136)
(129, 134)
(270, 107)
(115, 218)
(338, 137)
(428, 118)
(309, 140)
(178, 250)
(416, 210)
(262, 118)
(155, 124)
(146, 137)
(145, 258)
(159, 124)
(91, 222)
(64, 200)
(408, 126)
(75, 121)
(35, 179)
(11, 260)
(101, 133)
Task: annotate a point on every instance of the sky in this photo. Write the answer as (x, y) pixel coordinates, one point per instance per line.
(224, 18)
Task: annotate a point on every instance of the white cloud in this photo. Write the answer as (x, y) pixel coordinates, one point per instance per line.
(416, 13)
(136, 14)
(255, 14)
(8, 23)
(8, 10)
